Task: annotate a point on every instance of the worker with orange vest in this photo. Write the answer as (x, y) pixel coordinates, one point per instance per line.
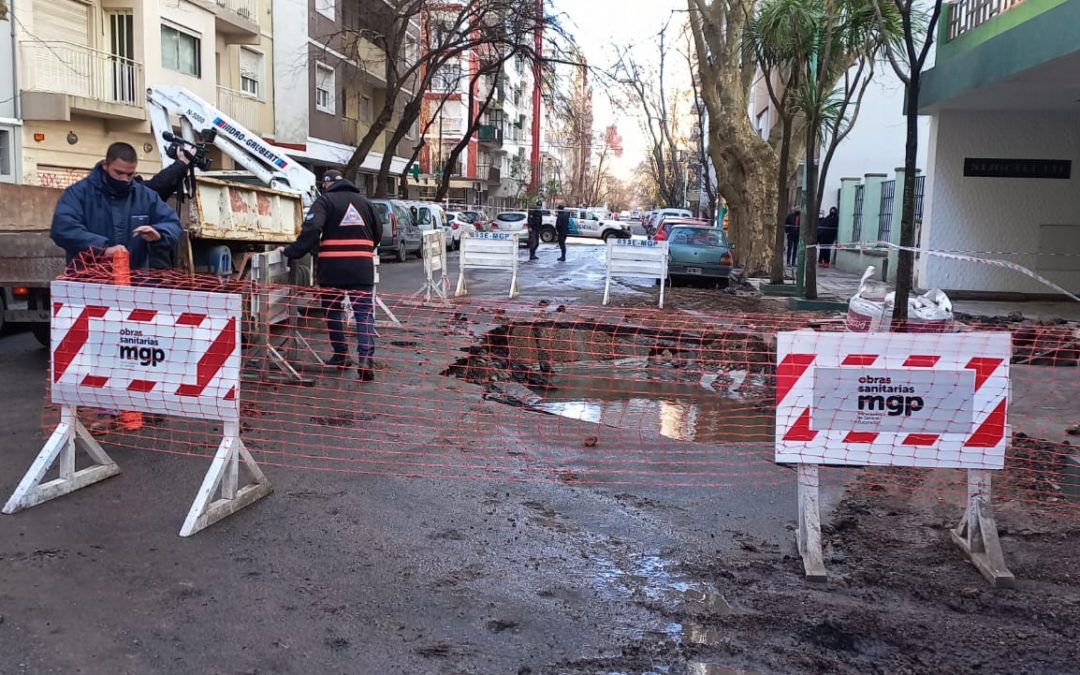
(342, 230)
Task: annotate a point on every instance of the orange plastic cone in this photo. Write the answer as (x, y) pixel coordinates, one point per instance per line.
(130, 420)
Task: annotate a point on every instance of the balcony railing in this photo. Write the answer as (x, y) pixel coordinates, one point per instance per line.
(966, 15)
(489, 133)
(245, 9)
(67, 68)
(241, 106)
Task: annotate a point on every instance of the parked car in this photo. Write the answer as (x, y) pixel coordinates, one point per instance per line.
(653, 222)
(456, 225)
(401, 235)
(665, 225)
(511, 221)
(699, 252)
(587, 223)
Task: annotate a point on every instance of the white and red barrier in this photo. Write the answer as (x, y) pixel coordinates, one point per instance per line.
(636, 258)
(895, 399)
(152, 350)
(489, 251)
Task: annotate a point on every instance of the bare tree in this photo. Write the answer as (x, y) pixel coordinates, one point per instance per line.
(410, 57)
(661, 118)
(917, 27)
(475, 112)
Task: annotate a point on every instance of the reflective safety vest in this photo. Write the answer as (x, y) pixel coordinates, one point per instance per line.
(347, 248)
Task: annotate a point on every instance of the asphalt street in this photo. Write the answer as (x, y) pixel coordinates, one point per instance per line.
(351, 573)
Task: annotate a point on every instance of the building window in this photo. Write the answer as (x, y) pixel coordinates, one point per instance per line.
(181, 51)
(5, 153)
(367, 108)
(327, 8)
(762, 124)
(251, 72)
(325, 88)
(448, 76)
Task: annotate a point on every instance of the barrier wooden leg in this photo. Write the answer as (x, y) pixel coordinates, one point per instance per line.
(607, 289)
(809, 533)
(69, 436)
(977, 532)
(514, 285)
(460, 284)
(223, 477)
(663, 280)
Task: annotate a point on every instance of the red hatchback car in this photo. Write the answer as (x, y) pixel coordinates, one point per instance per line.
(665, 227)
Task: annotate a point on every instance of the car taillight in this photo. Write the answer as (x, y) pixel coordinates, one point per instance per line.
(393, 226)
(20, 291)
(494, 225)
(453, 226)
(726, 259)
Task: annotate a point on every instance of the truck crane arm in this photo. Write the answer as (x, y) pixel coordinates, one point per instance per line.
(202, 122)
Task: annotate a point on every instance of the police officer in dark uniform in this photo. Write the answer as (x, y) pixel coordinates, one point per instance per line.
(562, 228)
(343, 231)
(535, 223)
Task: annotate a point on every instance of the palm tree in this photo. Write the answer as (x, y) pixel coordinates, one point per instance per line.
(824, 52)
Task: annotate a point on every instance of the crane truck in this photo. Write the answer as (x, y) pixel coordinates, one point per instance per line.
(239, 211)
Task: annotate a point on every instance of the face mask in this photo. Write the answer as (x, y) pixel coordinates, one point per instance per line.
(119, 188)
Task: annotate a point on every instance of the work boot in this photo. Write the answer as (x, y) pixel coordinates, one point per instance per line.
(365, 372)
(562, 259)
(339, 360)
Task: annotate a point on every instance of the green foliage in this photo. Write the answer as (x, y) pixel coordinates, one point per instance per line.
(814, 43)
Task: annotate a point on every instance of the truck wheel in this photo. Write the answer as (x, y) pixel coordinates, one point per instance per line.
(607, 235)
(401, 252)
(41, 333)
(548, 235)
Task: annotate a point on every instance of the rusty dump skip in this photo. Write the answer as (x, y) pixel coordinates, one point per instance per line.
(231, 211)
(28, 257)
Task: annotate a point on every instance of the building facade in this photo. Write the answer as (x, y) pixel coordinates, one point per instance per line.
(330, 81)
(1003, 172)
(10, 118)
(876, 140)
(82, 69)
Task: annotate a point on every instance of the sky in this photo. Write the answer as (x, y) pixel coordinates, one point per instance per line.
(597, 25)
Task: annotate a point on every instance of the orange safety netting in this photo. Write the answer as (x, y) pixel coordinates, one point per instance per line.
(493, 389)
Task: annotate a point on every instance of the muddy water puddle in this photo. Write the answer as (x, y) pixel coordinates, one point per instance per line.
(650, 579)
(680, 411)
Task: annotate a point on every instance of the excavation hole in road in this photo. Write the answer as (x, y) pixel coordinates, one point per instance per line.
(710, 385)
(680, 411)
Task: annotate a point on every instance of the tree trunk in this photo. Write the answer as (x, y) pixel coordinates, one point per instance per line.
(905, 264)
(783, 205)
(808, 234)
(352, 168)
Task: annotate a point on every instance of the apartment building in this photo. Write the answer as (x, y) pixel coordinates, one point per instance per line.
(509, 136)
(446, 116)
(1004, 146)
(81, 70)
(330, 84)
(10, 122)
(876, 140)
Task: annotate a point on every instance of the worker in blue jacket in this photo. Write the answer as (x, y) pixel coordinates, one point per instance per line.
(108, 211)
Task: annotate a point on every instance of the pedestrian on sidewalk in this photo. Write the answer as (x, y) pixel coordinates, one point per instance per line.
(343, 230)
(791, 228)
(562, 228)
(827, 230)
(535, 222)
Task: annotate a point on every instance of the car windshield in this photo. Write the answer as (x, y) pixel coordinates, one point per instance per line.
(511, 217)
(382, 211)
(697, 236)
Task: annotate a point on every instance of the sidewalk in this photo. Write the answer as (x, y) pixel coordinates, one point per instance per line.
(834, 284)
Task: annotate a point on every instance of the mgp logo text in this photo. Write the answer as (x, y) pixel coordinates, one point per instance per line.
(134, 347)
